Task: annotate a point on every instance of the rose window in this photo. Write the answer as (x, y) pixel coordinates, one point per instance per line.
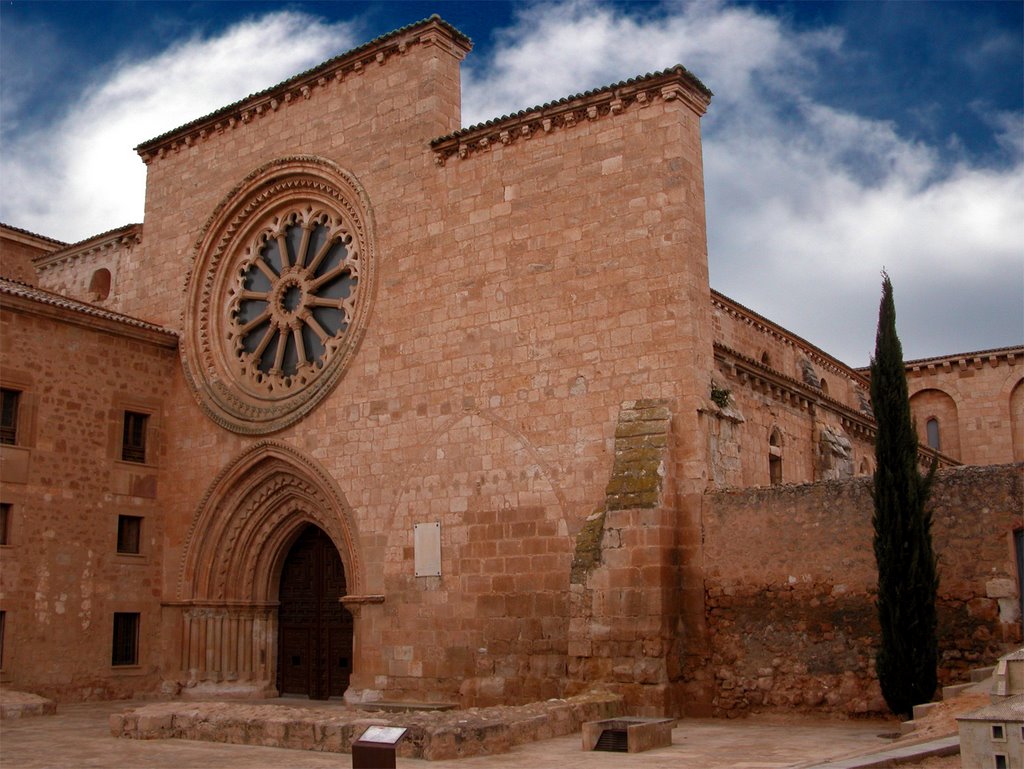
(279, 294)
(293, 300)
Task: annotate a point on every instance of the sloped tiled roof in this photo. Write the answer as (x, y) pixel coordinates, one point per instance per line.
(17, 289)
(295, 79)
(47, 238)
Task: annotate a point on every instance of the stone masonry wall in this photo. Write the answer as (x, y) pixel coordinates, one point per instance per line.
(509, 323)
(61, 577)
(978, 400)
(77, 271)
(625, 598)
(790, 580)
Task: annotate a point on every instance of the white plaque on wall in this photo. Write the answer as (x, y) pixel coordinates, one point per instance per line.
(427, 546)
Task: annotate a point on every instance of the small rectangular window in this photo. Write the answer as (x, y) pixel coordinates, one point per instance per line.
(1000, 761)
(5, 523)
(133, 445)
(998, 733)
(126, 639)
(9, 400)
(129, 534)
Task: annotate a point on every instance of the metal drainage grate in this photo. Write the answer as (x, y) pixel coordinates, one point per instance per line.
(613, 741)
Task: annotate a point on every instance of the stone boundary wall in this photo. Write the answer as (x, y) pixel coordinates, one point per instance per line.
(432, 735)
(790, 585)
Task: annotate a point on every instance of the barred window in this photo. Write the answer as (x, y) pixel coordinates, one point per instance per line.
(9, 401)
(126, 639)
(129, 534)
(133, 445)
(5, 523)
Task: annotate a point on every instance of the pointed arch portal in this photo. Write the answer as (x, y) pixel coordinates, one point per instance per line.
(272, 528)
(314, 629)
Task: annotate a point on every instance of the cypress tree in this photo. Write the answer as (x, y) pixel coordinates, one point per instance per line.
(908, 581)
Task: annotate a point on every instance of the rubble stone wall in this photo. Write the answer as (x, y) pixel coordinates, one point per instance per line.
(790, 583)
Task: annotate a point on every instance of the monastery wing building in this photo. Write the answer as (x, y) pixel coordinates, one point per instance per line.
(377, 406)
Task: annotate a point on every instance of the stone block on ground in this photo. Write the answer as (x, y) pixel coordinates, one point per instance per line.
(14, 704)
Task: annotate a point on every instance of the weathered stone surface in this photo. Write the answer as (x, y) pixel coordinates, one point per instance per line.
(791, 583)
(14, 704)
(432, 735)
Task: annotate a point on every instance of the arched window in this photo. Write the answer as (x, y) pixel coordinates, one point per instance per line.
(775, 457)
(766, 359)
(932, 431)
(823, 385)
(99, 285)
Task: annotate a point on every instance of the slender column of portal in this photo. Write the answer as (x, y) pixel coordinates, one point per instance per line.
(229, 650)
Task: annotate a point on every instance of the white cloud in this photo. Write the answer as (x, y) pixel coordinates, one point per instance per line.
(554, 50)
(94, 181)
(806, 203)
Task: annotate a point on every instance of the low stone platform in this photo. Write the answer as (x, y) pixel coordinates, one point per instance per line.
(404, 707)
(432, 735)
(15, 704)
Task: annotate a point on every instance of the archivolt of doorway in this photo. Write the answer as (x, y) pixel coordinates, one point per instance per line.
(230, 570)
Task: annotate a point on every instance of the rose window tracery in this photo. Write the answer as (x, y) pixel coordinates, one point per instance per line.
(293, 298)
(279, 294)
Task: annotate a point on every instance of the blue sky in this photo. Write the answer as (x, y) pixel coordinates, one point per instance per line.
(843, 137)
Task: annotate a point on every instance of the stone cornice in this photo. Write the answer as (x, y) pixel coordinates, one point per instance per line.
(762, 324)
(676, 84)
(761, 377)
(1010, 356)
(429, 32)
(36, 301)
(128, 235)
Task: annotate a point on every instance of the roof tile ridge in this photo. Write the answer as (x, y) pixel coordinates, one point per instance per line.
(808, 348)
(90, 245)
(335, 68)
(970, 355)
(673, 83)
(33, 234)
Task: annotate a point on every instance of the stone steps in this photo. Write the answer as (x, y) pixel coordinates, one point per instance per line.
(982, 674)
(979, 681)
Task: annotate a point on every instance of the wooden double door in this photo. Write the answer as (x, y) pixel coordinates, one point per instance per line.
(315, 629)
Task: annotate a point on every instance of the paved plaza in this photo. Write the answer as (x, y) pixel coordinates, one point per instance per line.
(78, 736)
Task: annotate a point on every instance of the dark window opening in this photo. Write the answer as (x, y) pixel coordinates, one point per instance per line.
(3, 627)
(126, 639)
(1000, 761)
(133, 446)
(932, 430)
(997, 732)
(9, 415)
(129, 531)
(99, 285)
(5, 523)
(775, 458)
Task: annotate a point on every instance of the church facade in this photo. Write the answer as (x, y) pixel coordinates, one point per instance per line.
(376, 406)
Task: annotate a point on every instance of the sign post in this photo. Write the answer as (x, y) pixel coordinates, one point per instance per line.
(376, 747)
